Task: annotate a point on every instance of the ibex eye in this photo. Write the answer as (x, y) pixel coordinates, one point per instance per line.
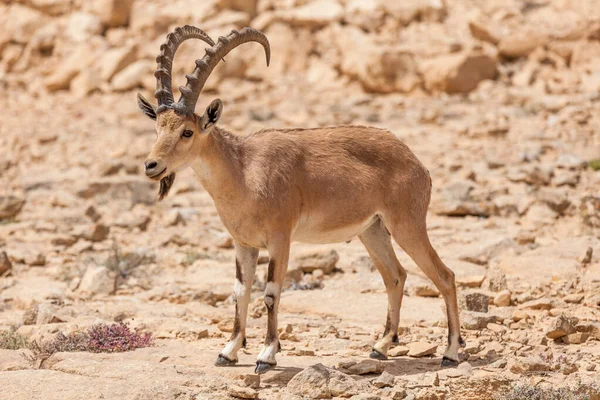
(187, 133)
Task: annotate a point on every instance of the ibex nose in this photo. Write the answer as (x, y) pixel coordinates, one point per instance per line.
(154, 167)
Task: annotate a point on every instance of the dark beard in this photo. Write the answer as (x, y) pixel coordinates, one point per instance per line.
(165, 185)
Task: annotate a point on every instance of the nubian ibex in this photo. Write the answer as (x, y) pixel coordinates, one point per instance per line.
(273, 187)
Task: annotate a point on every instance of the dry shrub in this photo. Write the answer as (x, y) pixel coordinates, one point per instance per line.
(100, 338)
(11, 340)
(529, 392)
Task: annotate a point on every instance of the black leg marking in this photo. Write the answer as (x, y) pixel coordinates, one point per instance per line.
(244, 343)
(271, 271)
(395, 339)
(239, 274)
(236, 324)
(388, 325)
(269, 301)
(461, 342)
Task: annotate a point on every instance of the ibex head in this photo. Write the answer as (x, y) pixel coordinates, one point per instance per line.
(179, 130)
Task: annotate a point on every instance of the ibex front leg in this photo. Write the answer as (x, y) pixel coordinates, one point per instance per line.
(279, 250)
(245, 267)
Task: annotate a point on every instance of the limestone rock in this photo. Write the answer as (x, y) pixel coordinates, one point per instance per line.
(484, 31)
(366, 367)
(240, 392)
(576, 338)
(97, 280)
(502, 299)
(540, 304)
(384, 380)
(398, 351)
(320, 382)
(458, 73)
(561, 326)
(5, 264)
(131, 76)
(10, 206)
(115, 60)
(475, 321)
(95, 232)
(81, 26)
(112, 13)
(68, 69)
(47, 314)
(311, 260)
(314, 14)
(520, 44)
(528, 364)
(478, 302)
(589, 209)
(421, 349)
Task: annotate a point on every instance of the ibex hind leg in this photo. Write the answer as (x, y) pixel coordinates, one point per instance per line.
(415, 242)
(378, 243)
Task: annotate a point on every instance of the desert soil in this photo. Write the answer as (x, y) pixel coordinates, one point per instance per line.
(499, 99)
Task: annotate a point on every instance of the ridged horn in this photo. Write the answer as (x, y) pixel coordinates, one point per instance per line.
(204, 66)
(164, 61)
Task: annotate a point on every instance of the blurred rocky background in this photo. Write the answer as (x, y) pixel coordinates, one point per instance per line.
(499, 99)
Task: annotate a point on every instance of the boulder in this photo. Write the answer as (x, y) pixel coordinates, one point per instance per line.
(503, 298)
(132, 76)
(421, 349)
(313, 14)
(408, 11)
(68, 69)
(5, 264)
(320, 382)
(241, 392)
(10, 206)
(561, 326)
(52, 7)
(520, 44)
(81, 26)
(112, 13)
(114, 60)
(483, 30)
(97, 280)
(311, 260)
(458, 73)
(589, 209)
(19, 24)
(379, 69)
(366, 367)
(478, 302)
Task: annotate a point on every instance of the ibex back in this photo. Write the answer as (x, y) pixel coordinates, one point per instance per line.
(274, 187)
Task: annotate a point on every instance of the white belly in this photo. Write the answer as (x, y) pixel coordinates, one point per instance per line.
(316, 232)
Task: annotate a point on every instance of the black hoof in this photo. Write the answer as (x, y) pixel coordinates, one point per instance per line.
(448, 362)
(223, 361)
(262, 367)
(377, 355)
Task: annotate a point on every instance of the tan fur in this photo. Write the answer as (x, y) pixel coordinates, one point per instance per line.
(318, 185)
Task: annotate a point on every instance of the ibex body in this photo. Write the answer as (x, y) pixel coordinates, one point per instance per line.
(274, 187)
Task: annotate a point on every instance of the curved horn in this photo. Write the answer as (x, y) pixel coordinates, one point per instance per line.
(164, 61)
(204, 66)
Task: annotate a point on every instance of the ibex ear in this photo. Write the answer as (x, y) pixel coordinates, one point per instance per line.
(146, 107)
(212, 114)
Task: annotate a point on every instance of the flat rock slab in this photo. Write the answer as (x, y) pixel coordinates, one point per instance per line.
(421, 349)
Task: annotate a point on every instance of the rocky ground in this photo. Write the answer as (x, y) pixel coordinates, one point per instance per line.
(499, 99)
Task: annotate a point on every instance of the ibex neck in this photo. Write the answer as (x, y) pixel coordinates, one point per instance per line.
(219, 164)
